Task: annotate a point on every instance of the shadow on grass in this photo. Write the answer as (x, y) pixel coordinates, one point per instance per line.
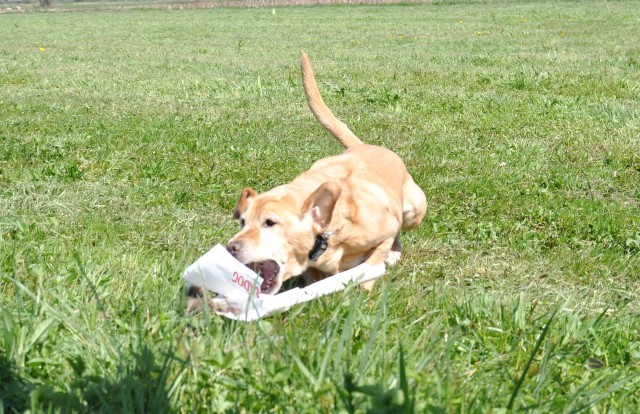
(139, 386)
(14, 390)
(381, 399)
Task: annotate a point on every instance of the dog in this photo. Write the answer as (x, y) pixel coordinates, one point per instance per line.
(345, 210)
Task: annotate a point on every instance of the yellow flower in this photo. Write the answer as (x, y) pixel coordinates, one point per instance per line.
(42, 49)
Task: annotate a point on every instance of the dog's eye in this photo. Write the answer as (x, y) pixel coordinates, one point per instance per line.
(269, 223)
(241, 222)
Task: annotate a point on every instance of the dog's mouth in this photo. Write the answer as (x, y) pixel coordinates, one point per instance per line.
(268, 271)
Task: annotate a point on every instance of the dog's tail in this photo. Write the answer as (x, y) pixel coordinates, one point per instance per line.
(320, 110)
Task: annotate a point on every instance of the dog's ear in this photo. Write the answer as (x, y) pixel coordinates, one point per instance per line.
(319, 205)
(241, 206)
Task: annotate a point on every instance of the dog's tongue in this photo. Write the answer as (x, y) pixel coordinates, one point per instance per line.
(268, 270)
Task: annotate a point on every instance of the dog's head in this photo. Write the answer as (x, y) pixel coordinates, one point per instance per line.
(279, 229)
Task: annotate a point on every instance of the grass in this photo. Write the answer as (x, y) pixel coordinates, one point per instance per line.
(126, 136)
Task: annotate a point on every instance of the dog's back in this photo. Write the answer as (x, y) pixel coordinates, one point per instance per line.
(380, 165)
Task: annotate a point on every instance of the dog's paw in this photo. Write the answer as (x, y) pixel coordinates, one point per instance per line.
(393, 257)
(368, 286)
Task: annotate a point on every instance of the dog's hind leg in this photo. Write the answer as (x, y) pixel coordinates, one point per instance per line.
(414, 205)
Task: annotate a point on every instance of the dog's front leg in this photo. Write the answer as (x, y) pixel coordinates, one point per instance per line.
(395, 252)
(378, 255)
(312, 275)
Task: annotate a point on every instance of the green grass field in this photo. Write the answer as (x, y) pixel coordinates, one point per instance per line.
(127, 135)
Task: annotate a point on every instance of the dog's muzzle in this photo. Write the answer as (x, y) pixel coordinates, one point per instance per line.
(268, 269)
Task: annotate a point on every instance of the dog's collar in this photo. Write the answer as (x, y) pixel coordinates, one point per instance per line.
(320, 246)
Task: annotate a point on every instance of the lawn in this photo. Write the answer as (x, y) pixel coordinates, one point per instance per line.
(126, 137)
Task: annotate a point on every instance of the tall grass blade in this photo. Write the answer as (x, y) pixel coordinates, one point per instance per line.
(532, 355)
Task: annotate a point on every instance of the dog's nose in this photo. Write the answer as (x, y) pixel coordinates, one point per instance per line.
(234, 247)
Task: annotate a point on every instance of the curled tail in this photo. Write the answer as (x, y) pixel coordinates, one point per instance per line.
(320, 110)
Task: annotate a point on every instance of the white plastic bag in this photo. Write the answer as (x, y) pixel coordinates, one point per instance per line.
(239, 287)
(220, 272)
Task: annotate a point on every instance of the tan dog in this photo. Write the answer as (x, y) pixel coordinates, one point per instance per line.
(346, 210)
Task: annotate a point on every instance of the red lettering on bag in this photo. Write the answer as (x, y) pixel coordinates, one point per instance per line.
(240, 280)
